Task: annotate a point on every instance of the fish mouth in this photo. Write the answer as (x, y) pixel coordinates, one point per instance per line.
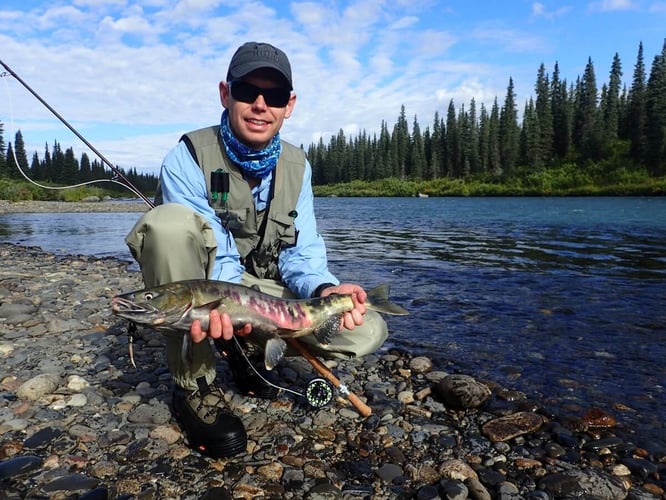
(122, 306)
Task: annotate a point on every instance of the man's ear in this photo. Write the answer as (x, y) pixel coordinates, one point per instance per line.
(224, 94)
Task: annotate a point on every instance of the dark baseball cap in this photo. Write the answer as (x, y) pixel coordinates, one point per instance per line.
(255, 55)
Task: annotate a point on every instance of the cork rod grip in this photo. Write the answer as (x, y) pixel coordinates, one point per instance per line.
(363, 409)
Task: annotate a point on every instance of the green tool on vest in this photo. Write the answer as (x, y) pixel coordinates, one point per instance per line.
(219, 185)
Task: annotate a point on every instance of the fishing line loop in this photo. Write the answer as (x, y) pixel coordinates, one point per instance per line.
(117, 178)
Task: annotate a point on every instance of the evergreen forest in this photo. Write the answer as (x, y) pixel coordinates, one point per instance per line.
(571, 137)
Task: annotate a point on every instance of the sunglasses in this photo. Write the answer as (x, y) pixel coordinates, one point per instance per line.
(246, 92)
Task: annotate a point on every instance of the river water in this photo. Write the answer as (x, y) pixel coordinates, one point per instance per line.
(561, 298)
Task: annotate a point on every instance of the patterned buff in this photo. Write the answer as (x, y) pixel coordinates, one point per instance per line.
(254, 163)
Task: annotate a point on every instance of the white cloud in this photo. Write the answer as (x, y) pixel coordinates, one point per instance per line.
(540, 10)
(613, 5)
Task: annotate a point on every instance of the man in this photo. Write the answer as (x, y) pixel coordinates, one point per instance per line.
(235, 203)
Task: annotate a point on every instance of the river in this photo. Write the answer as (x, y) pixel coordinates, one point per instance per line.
(561, 298)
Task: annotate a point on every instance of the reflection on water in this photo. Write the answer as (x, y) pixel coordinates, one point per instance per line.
(540, 250)
(562, 297)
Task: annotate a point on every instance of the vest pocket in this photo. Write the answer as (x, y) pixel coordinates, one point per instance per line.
(235, 220)
(285, 230)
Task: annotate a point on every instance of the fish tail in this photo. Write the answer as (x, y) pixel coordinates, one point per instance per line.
(378, 301)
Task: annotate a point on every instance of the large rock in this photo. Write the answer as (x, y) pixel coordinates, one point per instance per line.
(38, 387)
(461, 392)
(511, 426)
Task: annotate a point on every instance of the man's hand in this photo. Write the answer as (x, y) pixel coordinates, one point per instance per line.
(219, 326)
(354, 317)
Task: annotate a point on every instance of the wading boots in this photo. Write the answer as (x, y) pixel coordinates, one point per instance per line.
(210, 425)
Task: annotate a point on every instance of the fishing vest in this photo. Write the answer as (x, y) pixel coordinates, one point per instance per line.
(259, 236)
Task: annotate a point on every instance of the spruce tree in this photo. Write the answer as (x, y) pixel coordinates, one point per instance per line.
(562, 118)
(509, 131)
(610, 103)
(21, 157)
(452, 144)
(586, 132)
(655, 104)
(543, 108)
(634, 128)
(494, 140)
(417, 158)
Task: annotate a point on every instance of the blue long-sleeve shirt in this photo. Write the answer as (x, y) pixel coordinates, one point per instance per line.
(303, 267)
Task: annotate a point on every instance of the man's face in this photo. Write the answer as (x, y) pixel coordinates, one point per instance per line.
(256, 123)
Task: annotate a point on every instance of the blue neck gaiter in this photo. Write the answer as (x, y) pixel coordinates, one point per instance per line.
(253, 163)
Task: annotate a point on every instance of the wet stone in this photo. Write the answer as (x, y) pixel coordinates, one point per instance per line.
(461, 392)
(17, 466)
(640, 467)
(42, 438)
(71, 483)
(511, 426)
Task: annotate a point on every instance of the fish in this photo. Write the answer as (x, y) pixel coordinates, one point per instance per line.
(173, 307)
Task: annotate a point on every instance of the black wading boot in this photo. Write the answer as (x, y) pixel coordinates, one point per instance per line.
(210, 425)
(245, 375)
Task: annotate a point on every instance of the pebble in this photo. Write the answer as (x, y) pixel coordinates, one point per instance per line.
(78, 421)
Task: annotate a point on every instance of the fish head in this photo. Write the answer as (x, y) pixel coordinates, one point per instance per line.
(160, 307)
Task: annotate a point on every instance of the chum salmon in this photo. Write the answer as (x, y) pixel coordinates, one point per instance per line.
(174, 306)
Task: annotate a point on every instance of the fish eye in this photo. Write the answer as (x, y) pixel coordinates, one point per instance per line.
(148, 296)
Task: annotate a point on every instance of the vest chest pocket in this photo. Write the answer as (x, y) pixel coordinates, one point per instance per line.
(237, 221)
(285, 231)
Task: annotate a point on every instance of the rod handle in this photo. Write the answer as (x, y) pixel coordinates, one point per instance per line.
(363, 409)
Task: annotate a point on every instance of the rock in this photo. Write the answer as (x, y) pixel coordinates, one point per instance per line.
(76, 383)
(598, 418)
(477, 490)
(457, 469)
(17, 466)
(388, 472)
(576, 482)
(38, 387)
(158, 413)
(420, 364)
(511, 426)
(454, 490)
(461, 392)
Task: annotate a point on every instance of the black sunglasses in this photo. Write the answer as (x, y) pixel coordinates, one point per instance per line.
(246, 92)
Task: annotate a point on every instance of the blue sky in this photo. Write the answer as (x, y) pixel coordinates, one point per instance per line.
(132, 76)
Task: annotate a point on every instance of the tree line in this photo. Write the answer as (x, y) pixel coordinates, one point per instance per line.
(564, 123)
(573, 124)
(62, 168)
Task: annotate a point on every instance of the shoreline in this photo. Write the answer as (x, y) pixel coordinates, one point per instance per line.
(76, 417)
(13, 207)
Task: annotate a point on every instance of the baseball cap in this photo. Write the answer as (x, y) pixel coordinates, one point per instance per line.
(255, 55)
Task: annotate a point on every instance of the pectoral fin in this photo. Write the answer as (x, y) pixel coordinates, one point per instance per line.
(328, 329)
(274, 352)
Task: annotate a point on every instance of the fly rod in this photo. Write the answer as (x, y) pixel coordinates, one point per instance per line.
(364, 409)
(115, 169)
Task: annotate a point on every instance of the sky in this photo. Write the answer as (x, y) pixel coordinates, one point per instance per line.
(132, 76)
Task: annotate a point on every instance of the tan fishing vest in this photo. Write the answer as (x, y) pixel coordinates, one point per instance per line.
(259, 236)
